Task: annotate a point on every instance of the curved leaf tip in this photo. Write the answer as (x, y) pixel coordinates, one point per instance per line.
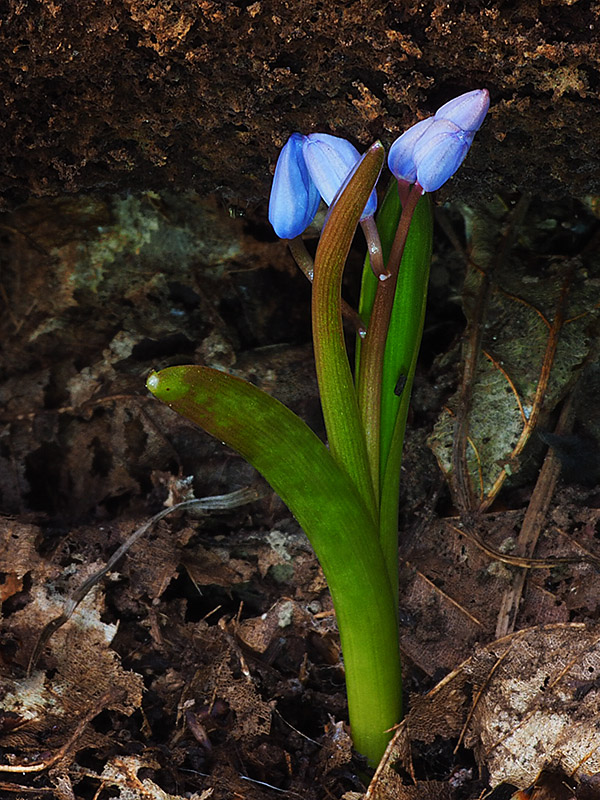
(169, 384)
(153, 382)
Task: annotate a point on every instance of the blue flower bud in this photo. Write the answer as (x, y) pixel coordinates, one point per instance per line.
(432, 150)
(401, 156)
(440, 152)
(330, 159)
(294, 197)
(467, 110)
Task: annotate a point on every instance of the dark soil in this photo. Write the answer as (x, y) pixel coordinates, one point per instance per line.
(208, 660)
(139, 94)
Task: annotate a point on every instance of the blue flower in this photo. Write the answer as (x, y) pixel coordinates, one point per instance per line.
(294, 197)
(440, 152)
(432, 150)
(330, 160)
(467, 110)
(400, 158)
(308, 168)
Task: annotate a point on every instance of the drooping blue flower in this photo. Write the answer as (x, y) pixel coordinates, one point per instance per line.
(294, 197)
(432, 150)
(330, 160)
(440, 152)
(400, 158)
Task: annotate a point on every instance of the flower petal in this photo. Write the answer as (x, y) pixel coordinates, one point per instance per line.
(330, 160)
(440, 152)
(401, 156)
(467, 110)
(294, 197)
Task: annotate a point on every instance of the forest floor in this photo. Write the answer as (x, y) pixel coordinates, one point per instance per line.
(205, 661)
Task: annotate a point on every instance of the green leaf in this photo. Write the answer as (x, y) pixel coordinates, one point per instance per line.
(271, 437)
(336, 386)
(401, 350)
(334, 517)
(399, 364)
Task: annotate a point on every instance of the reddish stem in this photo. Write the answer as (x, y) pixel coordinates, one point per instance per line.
(304, 260)
(373, 348)
(375, 250)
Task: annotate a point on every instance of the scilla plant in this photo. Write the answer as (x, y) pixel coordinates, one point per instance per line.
(345, 496)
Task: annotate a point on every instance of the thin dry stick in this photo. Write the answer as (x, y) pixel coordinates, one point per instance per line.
(533, 523)
(460, 482)
(216, 502)
(521, 561)
(478, 695)
(447, 597)
(39, 766)
(540, 391)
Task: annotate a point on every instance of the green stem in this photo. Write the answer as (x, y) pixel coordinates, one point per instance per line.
(307, 266)
(373, 347)
(401, 350)
(302, 257)
(410, 308)
(406, 323)
(374, 248)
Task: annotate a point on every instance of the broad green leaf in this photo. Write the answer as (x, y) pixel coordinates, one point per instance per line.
(334, 517)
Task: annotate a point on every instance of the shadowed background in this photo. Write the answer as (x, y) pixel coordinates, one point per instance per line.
(194, 94)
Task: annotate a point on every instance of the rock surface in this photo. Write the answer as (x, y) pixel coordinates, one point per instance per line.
(195, 94)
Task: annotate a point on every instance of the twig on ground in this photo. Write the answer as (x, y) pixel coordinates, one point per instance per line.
(215, 503)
